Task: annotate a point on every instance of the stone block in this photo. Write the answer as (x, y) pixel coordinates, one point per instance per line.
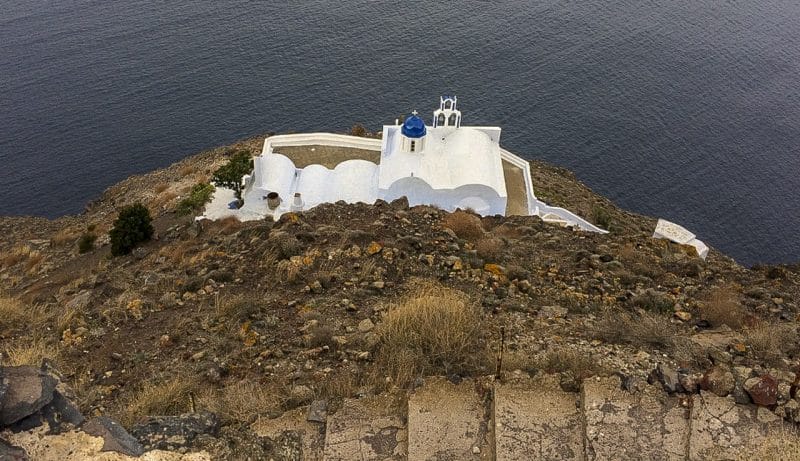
(448, 422)
(721, 429)
(293, 435)
(622, 425)
(372, 428)
(536, 420)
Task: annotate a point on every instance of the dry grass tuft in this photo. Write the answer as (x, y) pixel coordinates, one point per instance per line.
(239, 307)
(16, 314)
(161, 188)
(490, 248)
(645, 329)
(63, 237)
(30, 351)
(339, 384)
(186, 170)
(723, 308)
(17, 254)
(467, 226)
(32, 264)
(580, 365)
(628, 254)
(368, 268)
(288, 271)
(164, 200)
(768, 342)
(169, 398)
(229, 225)
(174, 252)
(320, 335)
(435, 331)
(243, 401)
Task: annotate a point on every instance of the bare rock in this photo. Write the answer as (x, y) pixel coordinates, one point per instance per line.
(3, 387)
(400, 203)
(718, 380)
(302, 394)
(9, 452)
(174, 432)
(318, 411)
(667, 377)
(115, 437)
(365, 326)
(763, 390)
(28, 391)
(61, 415)
(79, 302)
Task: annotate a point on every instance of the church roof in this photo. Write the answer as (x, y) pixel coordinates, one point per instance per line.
(413, 127)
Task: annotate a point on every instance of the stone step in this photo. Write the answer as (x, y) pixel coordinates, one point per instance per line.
(449, 422)
(536, 420)
(298, 438)
(371, 428)
(622, 425)
(721, 429)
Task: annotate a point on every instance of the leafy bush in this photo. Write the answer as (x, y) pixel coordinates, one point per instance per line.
(132, 227)
(86, 243)
(230, 174)
(358, 130)
(200, 195)
(601, 217)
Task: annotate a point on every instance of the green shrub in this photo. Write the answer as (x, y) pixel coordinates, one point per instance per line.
(230, 175)
(601, 217)
(358, 130)
(86, 242)
(200, 195)
(132, 227)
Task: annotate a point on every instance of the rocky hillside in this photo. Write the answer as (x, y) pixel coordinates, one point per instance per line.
(238, 327)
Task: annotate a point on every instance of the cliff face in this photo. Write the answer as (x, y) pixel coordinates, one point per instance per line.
(257, 319)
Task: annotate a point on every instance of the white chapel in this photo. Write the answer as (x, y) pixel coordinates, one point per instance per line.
(445, 164)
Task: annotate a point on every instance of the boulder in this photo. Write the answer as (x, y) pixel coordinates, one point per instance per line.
(763, 390)
(3, 387)
(667, 377)
(9, 452)
(61, 415)
(115, 437)
(28, 390)
(718, 380)
(318, 411)
(175, 432)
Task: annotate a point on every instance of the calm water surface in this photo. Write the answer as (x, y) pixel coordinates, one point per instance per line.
(687, 109)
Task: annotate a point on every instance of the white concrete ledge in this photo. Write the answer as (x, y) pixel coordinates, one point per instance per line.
(323, 139)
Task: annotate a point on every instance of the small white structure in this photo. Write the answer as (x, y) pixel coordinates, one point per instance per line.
(678, 234)
(446, 164)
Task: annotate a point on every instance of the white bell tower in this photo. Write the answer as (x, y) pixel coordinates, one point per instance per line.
(447, 115)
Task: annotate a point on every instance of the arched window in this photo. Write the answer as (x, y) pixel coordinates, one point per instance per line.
(452, 120)
(448, 104)
(441, 120)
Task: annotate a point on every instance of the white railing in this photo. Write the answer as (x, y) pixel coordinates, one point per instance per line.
(324, 139)
(538, 208)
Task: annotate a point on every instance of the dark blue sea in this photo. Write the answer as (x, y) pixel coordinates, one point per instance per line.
(682, 109)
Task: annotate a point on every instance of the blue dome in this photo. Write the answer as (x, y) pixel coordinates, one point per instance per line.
(413, 127)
